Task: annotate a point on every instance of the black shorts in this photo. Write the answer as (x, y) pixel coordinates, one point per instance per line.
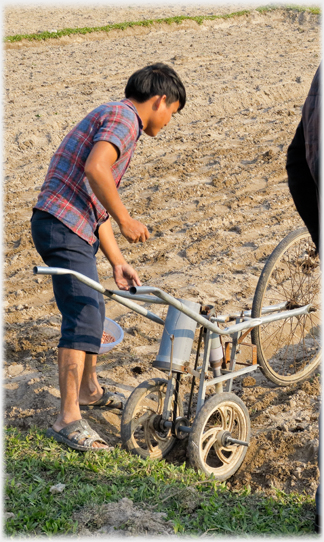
(82, 308)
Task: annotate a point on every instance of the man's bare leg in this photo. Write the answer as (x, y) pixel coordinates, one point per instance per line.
(71, 365)
(90, 389)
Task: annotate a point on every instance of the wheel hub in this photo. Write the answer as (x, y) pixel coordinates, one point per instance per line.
(225, 439)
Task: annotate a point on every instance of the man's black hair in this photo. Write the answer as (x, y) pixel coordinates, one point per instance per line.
(156, 80)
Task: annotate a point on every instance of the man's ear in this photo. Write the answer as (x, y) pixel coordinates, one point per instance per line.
(158, 101)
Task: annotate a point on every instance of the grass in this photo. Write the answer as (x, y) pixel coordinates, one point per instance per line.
(290, 7)
(149, 22)
(35, 463)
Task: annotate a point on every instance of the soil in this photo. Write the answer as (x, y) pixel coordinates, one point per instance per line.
(212, 189)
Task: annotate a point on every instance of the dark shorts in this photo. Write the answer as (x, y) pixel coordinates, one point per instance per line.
(82, 308)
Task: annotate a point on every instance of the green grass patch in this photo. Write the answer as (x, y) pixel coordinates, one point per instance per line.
(148, 22)
(35, 463)
(290, 7)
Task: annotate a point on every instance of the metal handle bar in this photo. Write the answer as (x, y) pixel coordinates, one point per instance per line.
(96, 286)
(169, 300)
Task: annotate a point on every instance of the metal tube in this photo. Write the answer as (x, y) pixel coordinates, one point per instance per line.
(135, 307)
(230, 440)
(200, 319)
(195, 367)
(253, 322)
(96, 286)
(230, 375)
(183, 428)
(265, 310)
(168, 399)
(270, 308)
(223, 318)
(232, 364)
(171, 356)
(216, 359)
(61, 271)
(287, 314)
(167, 424)
(143, 298)
(176, 397)
(202, 384)
(208, 324)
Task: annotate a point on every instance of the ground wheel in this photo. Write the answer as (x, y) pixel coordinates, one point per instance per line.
(222, 414)
(140, 431)
(289, 349)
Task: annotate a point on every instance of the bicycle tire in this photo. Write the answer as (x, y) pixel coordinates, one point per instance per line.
(289, 350)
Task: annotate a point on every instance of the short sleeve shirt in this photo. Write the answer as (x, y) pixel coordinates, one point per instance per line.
(66, 192)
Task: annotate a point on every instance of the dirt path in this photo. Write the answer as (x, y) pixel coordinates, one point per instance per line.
(212, 189)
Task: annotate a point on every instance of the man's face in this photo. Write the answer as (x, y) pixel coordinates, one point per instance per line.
(160, 116)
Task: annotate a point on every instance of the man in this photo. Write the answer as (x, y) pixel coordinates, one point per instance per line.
(71, 219)
(303, 168)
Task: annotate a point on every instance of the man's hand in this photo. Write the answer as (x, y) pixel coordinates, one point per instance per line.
(125, 276)
(134, 231)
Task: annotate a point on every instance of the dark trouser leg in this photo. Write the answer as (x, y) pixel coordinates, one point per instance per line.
(302, 185)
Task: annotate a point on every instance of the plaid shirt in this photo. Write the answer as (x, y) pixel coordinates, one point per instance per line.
(66, 192)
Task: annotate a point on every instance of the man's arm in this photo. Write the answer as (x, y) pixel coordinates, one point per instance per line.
(124, 275)
(98, 171)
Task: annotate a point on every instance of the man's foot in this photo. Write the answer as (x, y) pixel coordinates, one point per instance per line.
(108, 399)
(79, 436)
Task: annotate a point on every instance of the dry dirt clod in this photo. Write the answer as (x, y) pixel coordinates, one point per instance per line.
(108, 518)
(248, 381)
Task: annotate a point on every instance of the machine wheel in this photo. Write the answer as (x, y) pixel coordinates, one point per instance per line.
(140, 432)
(221, 414)
(289, 349)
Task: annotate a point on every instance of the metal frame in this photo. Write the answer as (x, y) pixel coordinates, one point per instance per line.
(211, 332)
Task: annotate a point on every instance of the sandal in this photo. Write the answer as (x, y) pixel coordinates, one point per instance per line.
(107, 400)
(77, 431)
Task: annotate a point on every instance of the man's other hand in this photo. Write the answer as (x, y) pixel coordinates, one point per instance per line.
(125, 276)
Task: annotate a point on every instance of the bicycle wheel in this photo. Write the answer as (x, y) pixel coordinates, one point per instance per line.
(223, 412)
(289, 349)
(140, 433)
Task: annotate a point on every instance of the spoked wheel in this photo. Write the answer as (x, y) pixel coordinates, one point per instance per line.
(289, 349)
(222, 415)
(140, 430)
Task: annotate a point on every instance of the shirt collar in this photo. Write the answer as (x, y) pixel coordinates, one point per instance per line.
(132, 106)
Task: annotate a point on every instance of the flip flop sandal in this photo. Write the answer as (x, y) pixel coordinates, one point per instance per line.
(108, 400)
(76, 432)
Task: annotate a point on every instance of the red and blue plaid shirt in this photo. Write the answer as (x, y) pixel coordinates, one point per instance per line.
(66, 192)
